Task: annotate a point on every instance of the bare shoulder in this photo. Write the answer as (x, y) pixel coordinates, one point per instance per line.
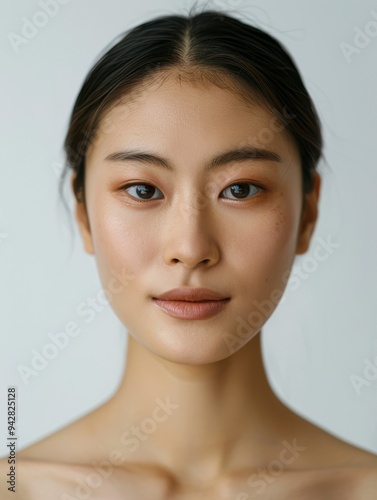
(347, 454)
(34, 474)
(362, 476)
(322, 449)
(41, 480)
(345, 483)
(324, 465)
(38, 480)
(347, 468)
(70, 444)
(48, 466)
(366, 487)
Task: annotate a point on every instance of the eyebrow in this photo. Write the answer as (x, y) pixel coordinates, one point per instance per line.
(233, 155)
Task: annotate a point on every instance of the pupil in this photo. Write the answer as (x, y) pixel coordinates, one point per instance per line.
(244, 190)
(142, 191)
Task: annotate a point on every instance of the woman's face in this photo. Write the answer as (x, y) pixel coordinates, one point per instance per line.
(233, 228)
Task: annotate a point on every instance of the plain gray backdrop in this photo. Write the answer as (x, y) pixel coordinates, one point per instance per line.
(320, 345)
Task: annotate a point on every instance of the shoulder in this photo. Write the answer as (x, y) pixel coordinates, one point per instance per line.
(325, 450)
(70, 444)
(39, 480)
(15, 480)
(366, 488)
(334, 465)
(325, 463)
(346, 483)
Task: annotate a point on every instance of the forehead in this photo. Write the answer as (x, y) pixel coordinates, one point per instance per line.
(174, 115)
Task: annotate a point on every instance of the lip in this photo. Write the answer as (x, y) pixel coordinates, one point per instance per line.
(191, 294)
(191, 303)
(183, 309)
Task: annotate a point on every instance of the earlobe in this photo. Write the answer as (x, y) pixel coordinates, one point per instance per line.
(309, 216)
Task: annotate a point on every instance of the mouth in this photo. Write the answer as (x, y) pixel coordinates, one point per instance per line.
(191, 309)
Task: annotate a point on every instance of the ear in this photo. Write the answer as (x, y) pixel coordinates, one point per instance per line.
(82, 220)
(309, 216)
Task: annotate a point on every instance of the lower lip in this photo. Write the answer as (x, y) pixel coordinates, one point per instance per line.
(191, 310)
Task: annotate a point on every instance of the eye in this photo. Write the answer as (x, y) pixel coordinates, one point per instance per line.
(241, 190)
(142, 190)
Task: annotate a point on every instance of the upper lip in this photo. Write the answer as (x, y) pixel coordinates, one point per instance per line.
(191, 294)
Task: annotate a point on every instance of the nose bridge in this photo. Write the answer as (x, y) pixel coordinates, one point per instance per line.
(189, 235)
(192, 206)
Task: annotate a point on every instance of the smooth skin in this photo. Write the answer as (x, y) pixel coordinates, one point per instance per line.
(194, 415)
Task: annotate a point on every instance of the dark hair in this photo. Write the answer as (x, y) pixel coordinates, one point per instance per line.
(209, 45)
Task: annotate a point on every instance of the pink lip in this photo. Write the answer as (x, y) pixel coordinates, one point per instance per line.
(191, 310)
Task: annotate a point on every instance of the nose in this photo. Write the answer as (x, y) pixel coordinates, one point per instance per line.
(192, 237)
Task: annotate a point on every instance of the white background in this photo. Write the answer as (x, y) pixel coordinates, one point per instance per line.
(321, 334)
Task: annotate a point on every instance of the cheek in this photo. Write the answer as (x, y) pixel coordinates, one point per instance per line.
(124, 241)
(266, 249)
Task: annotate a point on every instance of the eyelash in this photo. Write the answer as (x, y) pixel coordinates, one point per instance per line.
(260, 189)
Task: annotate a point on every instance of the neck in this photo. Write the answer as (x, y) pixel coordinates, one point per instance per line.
(192, 419)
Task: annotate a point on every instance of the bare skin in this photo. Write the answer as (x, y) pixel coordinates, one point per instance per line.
(194, 415)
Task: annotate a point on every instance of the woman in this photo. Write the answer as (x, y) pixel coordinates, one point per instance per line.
(194, 145)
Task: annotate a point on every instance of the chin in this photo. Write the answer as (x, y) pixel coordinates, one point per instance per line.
(191, 344)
